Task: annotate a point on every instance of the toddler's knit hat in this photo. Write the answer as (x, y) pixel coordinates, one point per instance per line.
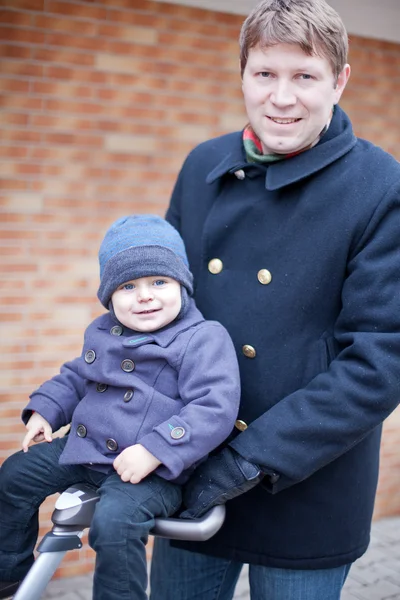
(141, 246)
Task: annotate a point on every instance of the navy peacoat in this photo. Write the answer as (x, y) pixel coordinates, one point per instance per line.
(300, 261)
(175, 391)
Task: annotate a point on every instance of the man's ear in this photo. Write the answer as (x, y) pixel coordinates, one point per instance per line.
(342, 82)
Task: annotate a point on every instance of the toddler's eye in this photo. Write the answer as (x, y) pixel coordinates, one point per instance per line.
(128, 286)
(160, 282)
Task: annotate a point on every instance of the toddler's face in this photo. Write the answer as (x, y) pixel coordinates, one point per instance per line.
(147, 303)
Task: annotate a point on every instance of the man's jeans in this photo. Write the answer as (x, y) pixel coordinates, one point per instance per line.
(123, 518)
(184, 575)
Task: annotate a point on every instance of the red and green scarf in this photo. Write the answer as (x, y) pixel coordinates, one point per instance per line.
(254, 151)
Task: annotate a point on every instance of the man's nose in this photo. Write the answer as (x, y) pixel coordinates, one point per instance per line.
(283, 94)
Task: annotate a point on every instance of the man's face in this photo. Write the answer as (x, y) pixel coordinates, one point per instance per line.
(289, 96)
(147, 303)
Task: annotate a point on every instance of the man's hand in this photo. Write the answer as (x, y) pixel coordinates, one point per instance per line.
(134, 463)
(38, 431)
(219, 479)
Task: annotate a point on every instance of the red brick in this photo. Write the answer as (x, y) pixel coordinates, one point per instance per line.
(12, 17)
(27, 36)
(67, 73)
(22, 135)
(9, 118)
(12, 51)
(8, 84)
(12, 184)
(74, 41)
(78, 139)
(74, 107)
(64, 90)
(24, 4)
(65, 24)
(77, 10)
(13, 152)
(20, 68)
(56, 55)
(20, 102)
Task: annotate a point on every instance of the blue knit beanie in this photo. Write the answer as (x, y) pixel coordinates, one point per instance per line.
(140, 246)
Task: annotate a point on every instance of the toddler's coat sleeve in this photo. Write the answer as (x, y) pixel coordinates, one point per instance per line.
(209, 385)
(56, 399)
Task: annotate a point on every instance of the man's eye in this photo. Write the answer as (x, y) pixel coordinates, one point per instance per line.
(265, 74)
(305, 76)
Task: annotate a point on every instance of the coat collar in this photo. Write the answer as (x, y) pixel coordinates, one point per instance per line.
(162, 337)
(337, 141)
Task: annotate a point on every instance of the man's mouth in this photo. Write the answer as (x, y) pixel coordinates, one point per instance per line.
(283, 121)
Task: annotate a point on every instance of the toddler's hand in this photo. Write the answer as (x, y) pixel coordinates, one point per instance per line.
(38, 430)
(134, 463)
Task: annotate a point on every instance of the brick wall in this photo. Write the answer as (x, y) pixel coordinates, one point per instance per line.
(100, 104)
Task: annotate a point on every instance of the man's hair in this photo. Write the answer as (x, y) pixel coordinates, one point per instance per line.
(311, 24)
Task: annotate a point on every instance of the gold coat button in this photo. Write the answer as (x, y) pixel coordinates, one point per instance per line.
(215, 266)
(249, 351)
(241, 425)
(264, 276)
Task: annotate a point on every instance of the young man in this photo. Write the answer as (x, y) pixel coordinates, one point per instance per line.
(292, 229)
(155, 389)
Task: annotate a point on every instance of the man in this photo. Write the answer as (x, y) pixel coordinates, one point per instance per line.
(292, 230)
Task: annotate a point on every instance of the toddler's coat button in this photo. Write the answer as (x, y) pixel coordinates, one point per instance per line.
(128, 395)
(264, 276)
(177, 433)
(240, 174)
(116, 330)
(101, 387)
(90, 356)
(249, 351)
(241, 425)
(111, 445)
(215, 266)
(81, 431)
(127, 365)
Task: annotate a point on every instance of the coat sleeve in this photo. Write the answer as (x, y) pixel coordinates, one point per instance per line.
(315, 425)
(57, 398)
(209, 386)
(173, 212)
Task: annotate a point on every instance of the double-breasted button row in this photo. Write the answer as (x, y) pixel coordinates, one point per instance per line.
(127, 364)
(216, 266)
(111, 444)
(102, 387)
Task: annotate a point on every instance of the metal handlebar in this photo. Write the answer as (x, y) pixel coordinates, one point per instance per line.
(73, 513)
